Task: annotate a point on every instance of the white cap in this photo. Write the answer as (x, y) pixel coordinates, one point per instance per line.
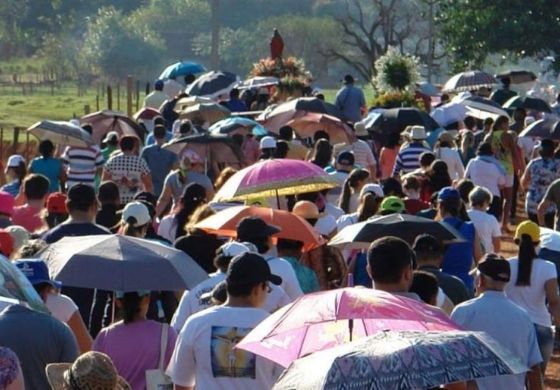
(111, 136)
(417, 133)
(15, 160)
(20, 235)
(268, 142)
(375, 189)
(235, 248)
(325, 225)
(138, 211)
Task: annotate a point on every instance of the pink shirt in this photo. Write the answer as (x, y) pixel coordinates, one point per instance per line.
(29, 217)
(135, 348)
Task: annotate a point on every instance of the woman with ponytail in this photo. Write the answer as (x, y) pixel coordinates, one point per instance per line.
(534, 286)
(353, 184)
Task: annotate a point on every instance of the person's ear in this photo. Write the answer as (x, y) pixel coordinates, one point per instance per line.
(368, 269)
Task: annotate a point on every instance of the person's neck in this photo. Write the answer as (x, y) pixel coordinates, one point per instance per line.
(80, 217)
(128, 152)
(160, 141)
(239, 302)
(390, 288)
(36, 203)
(480, 208)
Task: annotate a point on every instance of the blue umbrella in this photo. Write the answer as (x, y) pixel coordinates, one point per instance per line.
(181, 69)
(226, 126)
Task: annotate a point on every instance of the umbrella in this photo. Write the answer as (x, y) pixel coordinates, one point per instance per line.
(122, 263)
(16, 289)
(274, 117)
(397, 119)
(210, 112)
(225, 222)
(550, 239)
(105, 121)
(237, 124)
(62, 133)
(306, 125)
(518, 76)
(372, 116)
(425, 88)
(528, 103)
(318, 321)
(480, 107)
(407, 227)
(182, 68)
(189, 101)
(449, 113)
(213, 84)
(258, 82)
(402, 360)
(146, 113)
(543, 128)
(272, 178)
(468, 81)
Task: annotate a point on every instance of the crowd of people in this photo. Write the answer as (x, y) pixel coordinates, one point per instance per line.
(468, 179)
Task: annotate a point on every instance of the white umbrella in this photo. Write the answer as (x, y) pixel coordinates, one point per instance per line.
(449, 113)
(61, 133)
(257, 82)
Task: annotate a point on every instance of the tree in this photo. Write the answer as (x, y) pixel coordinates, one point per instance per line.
(473, 29)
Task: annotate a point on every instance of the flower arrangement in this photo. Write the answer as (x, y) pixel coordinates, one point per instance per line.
(396, 99)
(290, 67)
(395, 71)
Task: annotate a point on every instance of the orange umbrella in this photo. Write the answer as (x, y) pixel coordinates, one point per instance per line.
(293, 227)
(306, 125)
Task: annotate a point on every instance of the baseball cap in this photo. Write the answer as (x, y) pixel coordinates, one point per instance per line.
(392, 204)
(56, 203)
(6, 243)
(111, 136)
(138, 211)
(306, 210)
(529, 228)
(255, 227)
(15, 160)
(20, 235)
(346, 158)
(6, 203)
(235, 248)
(375, 189)
(495, 267)
(448, 193)
(250, 268)
(417, 133)
(36, 271)
(268, 142)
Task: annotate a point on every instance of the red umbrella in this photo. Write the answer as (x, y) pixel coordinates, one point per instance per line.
(105, 121)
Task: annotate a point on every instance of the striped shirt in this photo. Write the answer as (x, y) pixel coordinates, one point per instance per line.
(408, 158)
(82, 164)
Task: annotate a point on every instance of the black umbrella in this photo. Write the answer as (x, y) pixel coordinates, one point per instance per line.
(528, 103)
(397, 119)
(407, 227)
(213, 84)
(517, 76)
(543, 128)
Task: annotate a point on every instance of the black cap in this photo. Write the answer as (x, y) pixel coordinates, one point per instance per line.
(495, 267)
(346, 158)
(348, 79)
(250, 268)
(250, 227)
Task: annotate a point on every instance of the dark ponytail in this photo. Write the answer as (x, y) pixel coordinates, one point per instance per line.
(351, 181)
(526, 255)
(368, 206)
(130, 306)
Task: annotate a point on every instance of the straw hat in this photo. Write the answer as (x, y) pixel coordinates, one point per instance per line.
(91, 371)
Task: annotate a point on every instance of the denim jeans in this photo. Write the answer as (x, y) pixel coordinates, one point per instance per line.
(545, 338)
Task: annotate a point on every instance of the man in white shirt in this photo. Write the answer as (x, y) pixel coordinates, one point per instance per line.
(205, 354)
(486, 225)
(156, 98)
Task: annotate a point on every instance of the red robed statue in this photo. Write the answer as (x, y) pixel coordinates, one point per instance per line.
(276, 45)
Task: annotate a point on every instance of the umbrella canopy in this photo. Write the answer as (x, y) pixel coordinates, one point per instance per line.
(15, 287)
(543, 128)
(258, 82)
(402, 361)
(395, 120)
(272, 178)
(61, 133)
(210, 112)
(213, 84)
(318, 321)
(449, 113)
(306, 125)
(105, 121)
(237, 124)
(517, 76)
(182, 68)
(274, 117)
(146, 113)
(480, 107)
(407, 227)
(550, 239)
(468, 81)
(528, 103)
(186, 102)
(225, 222)
(122, 263)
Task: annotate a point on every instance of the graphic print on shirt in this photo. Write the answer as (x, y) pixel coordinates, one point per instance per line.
(227, 361)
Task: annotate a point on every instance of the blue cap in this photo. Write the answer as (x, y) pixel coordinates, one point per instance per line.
(448, 193)
(36, 271)
(158, 84)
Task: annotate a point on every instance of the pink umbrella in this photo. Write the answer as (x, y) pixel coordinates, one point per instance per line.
(272, 178)
(322, 320)
(306, 126)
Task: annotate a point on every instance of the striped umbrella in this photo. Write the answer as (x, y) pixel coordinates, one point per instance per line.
(213, 84)
(468, 81)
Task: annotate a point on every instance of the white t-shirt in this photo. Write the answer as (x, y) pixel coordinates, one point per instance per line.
(453, 160)
(532, 298)
(487, 227)
(167, 228)
(290, 283)
(485, 174)
(526, 144)
(205, 356)
(346, 220)
(333, 210)
(192, 301)
(61, 307)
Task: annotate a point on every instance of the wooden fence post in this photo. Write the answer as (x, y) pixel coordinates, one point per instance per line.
(109, 97)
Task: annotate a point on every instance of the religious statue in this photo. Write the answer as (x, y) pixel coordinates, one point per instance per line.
(276, 46)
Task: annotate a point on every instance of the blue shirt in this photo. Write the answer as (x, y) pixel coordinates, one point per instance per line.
(306, 276)
(459, 257)
(510, 325)
(236, 105)
(50, 168)
(150, 140)
(350, 100)
(160, 161)
(11, 188)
